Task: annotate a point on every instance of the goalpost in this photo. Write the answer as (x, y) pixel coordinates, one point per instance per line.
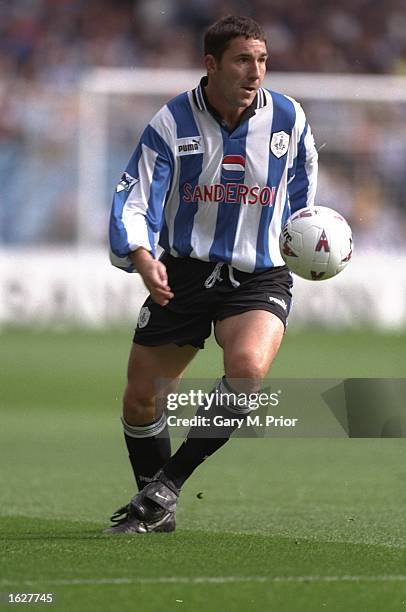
(337, 106)
(359, 122)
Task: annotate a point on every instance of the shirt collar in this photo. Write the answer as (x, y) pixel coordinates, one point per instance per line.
(202, 103)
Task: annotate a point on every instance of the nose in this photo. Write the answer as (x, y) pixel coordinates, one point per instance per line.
(255, 71)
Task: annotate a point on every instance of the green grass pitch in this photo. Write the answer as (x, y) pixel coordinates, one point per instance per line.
(282, 524)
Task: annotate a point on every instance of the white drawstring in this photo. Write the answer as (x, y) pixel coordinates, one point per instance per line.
(233, 281)
(216, 276)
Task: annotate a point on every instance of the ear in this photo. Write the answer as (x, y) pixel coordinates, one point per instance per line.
(210, 63)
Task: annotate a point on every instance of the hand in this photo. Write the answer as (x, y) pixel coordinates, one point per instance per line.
(154, 275)
(156, 281)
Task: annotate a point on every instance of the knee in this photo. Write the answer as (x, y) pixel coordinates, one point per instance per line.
(246, 364)
(138, 407)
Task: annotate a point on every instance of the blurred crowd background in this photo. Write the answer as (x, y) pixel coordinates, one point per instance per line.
(46, 46)
(53, 41)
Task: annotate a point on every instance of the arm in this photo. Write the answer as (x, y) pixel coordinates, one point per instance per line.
(137, 210)
(303, 172)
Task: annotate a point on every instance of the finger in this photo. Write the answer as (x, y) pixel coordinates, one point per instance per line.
(162, 274)
(167, 295)
(156, 284)
(160, 300)
(160, 289)
(161, 297)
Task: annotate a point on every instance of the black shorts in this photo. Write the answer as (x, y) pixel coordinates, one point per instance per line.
(188, 317)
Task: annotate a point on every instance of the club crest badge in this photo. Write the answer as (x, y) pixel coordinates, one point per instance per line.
(143, 317)
(279, 143)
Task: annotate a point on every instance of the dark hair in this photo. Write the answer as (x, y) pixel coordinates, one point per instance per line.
(219, 35)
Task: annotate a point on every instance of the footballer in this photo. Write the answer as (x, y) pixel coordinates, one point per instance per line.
(216, 174)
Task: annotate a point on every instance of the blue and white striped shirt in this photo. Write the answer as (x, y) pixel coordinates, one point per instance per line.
(199, 190)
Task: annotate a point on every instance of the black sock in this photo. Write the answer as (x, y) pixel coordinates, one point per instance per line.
(201, 442)
(149, 448)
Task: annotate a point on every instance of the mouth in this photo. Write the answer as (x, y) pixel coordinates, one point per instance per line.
(249, 89)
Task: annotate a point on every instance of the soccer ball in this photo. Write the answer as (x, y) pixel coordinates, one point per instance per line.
(316, 243)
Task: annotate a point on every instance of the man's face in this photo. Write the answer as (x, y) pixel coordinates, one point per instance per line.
(238, 75)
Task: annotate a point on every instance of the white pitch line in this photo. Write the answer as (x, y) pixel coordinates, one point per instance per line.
(204, 580)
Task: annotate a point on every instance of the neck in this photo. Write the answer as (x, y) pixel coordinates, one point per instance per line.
(228, 113)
